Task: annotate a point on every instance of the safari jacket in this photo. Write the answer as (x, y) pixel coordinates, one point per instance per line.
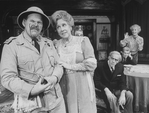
(22, 65)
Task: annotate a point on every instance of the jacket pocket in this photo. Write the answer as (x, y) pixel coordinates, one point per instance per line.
(26, 63)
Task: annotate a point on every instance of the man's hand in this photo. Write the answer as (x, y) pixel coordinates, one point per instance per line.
(130, 56)
(40, 87)
(122, 99)
(110, 95)
(52, 80)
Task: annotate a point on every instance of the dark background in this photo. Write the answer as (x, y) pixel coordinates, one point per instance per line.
(125, 13)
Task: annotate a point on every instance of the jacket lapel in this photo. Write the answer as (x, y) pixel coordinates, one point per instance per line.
(108, 73)
(115, 72)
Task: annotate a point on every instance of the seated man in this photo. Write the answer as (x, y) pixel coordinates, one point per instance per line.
(110, 79)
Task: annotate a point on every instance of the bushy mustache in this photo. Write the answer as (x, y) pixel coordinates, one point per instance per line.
(34, 27)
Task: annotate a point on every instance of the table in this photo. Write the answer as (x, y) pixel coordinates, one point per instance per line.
(138, 81)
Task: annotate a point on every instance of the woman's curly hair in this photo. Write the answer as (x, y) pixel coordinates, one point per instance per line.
(61, 14)
(135, 26)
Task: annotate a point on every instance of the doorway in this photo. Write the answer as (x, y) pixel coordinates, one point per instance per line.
(88, 27)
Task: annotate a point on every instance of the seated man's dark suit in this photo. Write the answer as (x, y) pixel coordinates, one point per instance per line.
(115, 81)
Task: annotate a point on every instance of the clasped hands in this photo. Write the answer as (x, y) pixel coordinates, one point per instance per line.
(127, 55)
(39, 87)
(130, 56)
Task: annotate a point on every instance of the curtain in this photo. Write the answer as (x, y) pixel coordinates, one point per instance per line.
(141, 1)
(124, 2)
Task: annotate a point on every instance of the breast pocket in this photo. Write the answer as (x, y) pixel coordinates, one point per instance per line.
(117, 79)
(118, 75)
(26, 63)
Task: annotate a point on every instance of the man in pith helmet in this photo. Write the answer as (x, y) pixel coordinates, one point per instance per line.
(29, 66)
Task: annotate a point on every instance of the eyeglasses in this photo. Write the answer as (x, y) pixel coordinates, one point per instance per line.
(114, 59)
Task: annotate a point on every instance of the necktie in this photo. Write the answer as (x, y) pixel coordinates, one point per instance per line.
(36, 44)
(112, 69)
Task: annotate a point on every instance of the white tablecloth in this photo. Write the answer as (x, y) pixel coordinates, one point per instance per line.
(138, 82)
(140, 70)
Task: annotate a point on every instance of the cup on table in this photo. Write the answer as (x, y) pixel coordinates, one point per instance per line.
(127, 67)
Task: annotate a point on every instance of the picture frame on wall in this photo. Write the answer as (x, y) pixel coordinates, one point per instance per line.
(103, 36)
(103, 40)
(102, 55)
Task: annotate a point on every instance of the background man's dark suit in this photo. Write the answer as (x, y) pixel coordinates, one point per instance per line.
(128, 60)
(115, 81)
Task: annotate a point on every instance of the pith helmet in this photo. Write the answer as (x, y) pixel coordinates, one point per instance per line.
(33, 9)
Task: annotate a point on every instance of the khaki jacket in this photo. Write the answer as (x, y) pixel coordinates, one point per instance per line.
(22, 65)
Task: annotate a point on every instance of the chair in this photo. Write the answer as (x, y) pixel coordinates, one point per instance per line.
(101, 106)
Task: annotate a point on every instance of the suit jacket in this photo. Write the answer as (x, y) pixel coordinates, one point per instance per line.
(113, 80)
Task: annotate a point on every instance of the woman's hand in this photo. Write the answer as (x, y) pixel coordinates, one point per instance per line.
(126, 35)
(65, 65)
